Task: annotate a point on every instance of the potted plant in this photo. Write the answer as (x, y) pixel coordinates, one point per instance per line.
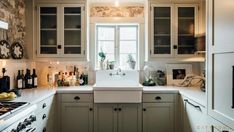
(131, 61)
(102, 55)
(112, 65)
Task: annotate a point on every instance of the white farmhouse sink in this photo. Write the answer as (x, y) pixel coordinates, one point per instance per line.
(117, 88)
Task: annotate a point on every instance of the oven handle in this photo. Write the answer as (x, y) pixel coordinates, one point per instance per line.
(232, 87)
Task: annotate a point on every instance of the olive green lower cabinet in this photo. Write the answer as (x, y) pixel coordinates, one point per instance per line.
(76, 112)
(158, 113)
(117, 118)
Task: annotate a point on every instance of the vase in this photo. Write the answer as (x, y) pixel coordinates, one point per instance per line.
(132, 64)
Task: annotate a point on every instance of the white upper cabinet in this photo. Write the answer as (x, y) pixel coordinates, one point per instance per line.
(61, 30)
(220, 61)
(173, 29)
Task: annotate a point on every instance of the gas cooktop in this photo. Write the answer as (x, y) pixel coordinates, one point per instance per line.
(7, 108)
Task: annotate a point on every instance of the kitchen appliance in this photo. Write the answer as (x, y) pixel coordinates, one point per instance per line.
(7, 108)
(17, 117)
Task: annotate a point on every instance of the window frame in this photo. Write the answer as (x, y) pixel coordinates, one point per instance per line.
(117, 43)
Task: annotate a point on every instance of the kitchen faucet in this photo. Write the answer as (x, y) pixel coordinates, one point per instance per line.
(119, 71)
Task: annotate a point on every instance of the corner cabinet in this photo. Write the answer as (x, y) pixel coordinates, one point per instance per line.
(60, 30)
(173, 29)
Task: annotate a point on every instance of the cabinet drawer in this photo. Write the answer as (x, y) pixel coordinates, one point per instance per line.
(158, 98)
(44, 104)
(77, 98)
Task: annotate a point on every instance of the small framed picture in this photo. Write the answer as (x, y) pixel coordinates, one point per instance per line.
(176, 73)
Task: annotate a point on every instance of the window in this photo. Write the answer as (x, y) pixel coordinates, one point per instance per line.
(117, 42)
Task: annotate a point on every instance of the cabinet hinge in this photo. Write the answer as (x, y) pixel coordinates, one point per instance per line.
(198, 8)
(35, 8)
(150, 51)
(83, 8)
(36, 52)
(150, 8)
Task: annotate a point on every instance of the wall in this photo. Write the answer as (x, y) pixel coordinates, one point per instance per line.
(13, 12)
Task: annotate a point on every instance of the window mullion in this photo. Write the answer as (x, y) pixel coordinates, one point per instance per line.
(117, 41)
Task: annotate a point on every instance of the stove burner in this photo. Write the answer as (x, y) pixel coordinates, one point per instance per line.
(10, 107)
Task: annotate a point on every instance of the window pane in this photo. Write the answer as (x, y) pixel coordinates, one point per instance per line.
(124, 61)
(128, 47)
(106, 46)
(106, 33)
(128, 33)
(106, 42)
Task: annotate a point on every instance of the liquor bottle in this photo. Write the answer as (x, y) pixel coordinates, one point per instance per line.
(19, 80)
(34, 79)
(28, 79)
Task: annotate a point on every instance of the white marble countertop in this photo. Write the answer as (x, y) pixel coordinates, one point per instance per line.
(38, 94)
(35, 95)
(194, 94)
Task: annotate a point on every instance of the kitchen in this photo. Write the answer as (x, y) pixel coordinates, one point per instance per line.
(116, 66)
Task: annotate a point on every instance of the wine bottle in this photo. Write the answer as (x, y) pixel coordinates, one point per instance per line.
(28, 79)
(34, 79)
(23, 79)
(19, 80)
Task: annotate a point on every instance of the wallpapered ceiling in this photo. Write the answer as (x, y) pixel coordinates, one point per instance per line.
(13, 12)
(106, 11)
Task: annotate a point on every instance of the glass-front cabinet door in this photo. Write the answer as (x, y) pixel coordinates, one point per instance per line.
(48, 30)
(186, 23)
(61, 30)
(73, 30)
(161, 30)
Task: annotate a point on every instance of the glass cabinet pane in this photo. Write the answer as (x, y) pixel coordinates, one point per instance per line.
(162, 30)
(72, 30)
(186, 30)
(48, 30)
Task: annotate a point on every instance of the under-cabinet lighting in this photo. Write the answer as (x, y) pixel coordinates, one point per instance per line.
(3, 25)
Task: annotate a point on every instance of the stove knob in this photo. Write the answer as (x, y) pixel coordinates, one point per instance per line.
(21, 126)
(32, 118)
(27, 122)
(13, 130)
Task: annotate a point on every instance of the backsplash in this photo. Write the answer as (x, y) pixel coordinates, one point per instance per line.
(13, 12)
(12, 67)
(53, 67)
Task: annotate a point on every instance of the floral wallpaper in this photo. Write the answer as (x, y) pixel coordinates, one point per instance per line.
(13, 12)
(107, 11)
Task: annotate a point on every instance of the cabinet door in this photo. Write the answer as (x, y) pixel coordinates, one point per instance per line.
(130, 118)
(222, 103)
(77, 117)
(158, 117)
(48, 31)
(194, 117)
(186, 29)
(73, 31)
(105, 118)
(161, 31)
